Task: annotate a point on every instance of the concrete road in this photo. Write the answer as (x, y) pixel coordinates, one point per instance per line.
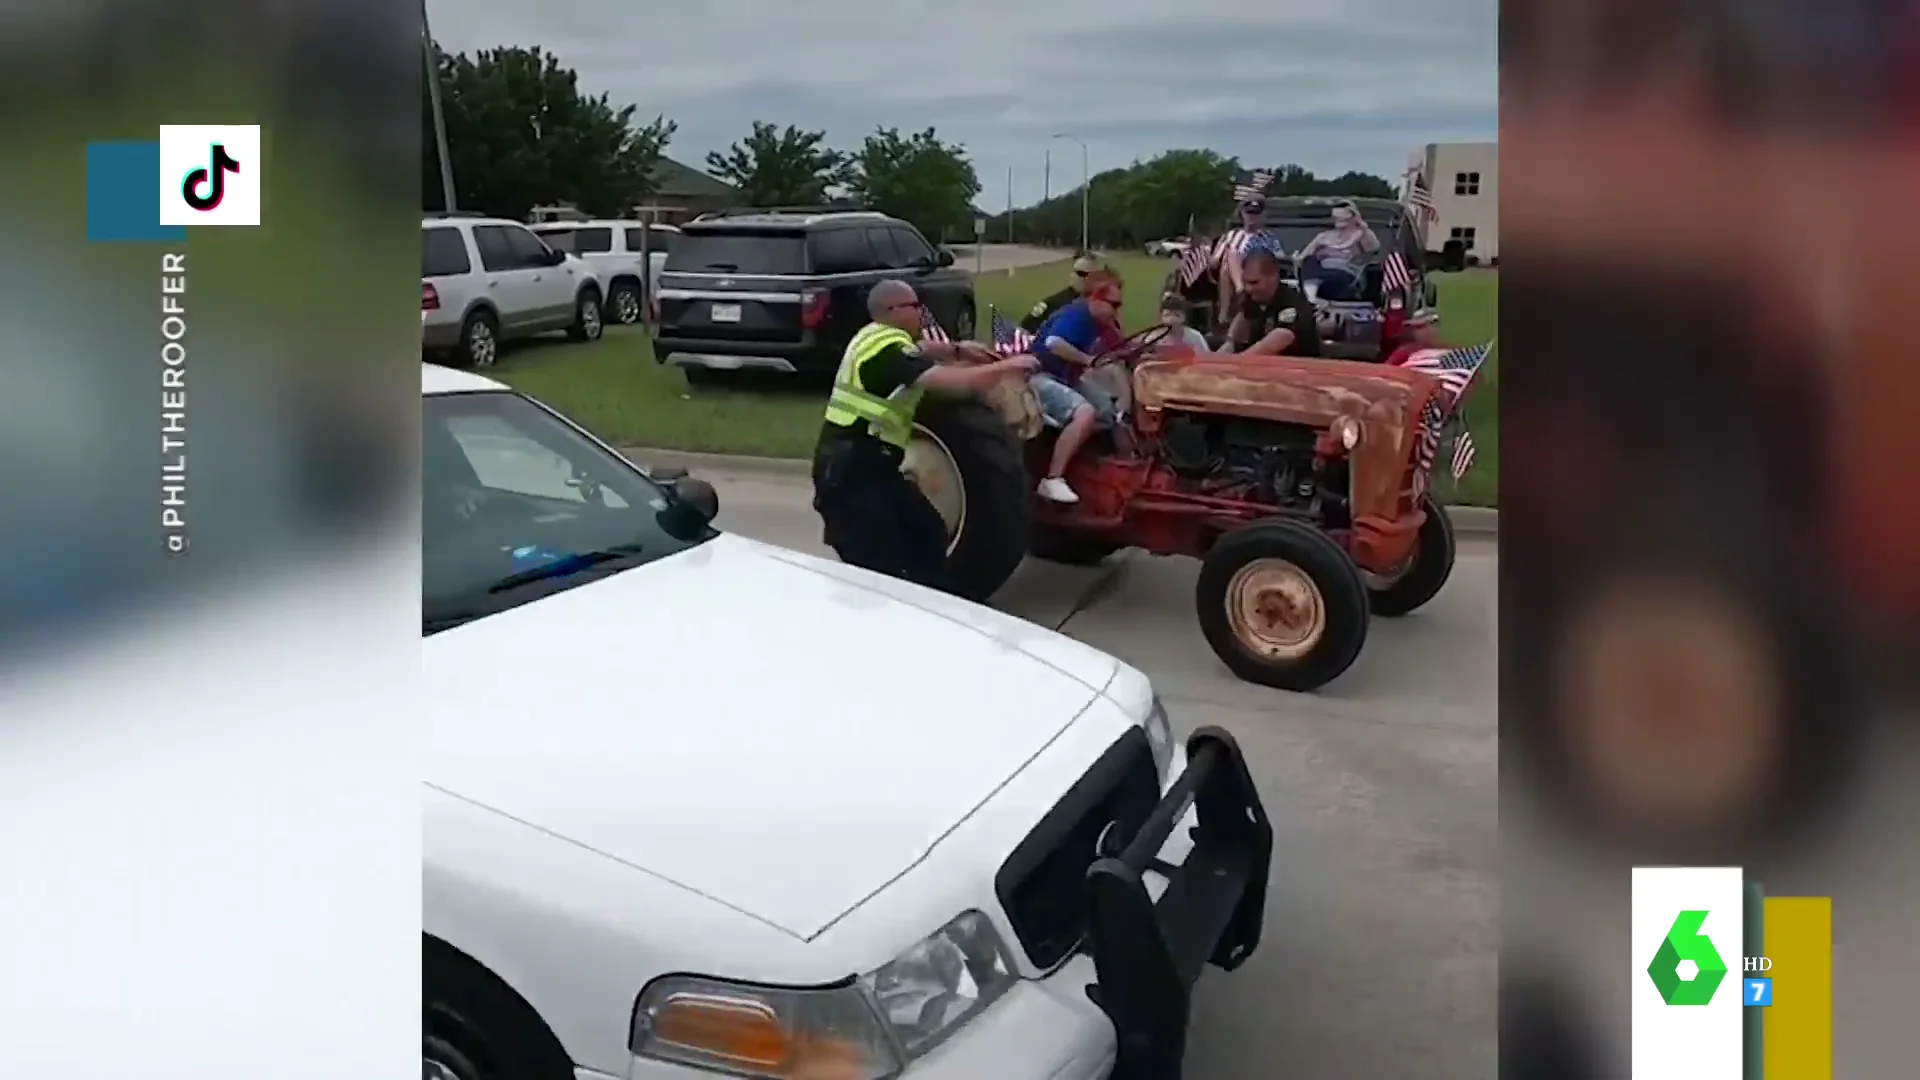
(1378, 959)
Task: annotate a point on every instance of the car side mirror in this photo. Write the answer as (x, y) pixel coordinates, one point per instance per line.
(1453, 257)
(555, 256)
(944, 258)
(698, 495)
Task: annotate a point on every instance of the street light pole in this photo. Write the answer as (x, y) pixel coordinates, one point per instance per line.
(439, 114)
(1086, 187)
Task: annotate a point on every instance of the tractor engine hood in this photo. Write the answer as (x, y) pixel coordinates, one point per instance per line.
(1387, 401)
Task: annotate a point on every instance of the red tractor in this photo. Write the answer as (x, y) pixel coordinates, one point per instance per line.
(1301, 485)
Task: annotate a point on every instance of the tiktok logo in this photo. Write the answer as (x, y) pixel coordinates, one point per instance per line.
(210, 174)
(212, 178)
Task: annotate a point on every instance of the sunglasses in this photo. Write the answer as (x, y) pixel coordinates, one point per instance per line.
(909, 304)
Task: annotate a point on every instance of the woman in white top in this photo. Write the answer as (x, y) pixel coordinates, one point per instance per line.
(1332, 263)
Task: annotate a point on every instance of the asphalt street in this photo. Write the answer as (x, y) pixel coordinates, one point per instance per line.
(1379, 955)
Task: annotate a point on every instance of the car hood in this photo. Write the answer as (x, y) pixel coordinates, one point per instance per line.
(780, 734)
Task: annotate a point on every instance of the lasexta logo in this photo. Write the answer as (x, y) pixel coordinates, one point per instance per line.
(204, 187)
(1686, 945)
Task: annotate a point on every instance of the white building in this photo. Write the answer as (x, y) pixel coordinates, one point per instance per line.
(1465, 181)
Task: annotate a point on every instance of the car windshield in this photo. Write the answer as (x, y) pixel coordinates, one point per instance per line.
(517, 504)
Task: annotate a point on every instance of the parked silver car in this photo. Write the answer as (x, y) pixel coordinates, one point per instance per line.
(486, 280)
(613, 249)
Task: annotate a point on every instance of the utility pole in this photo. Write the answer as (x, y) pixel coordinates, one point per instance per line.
(1086, 188)
(439, 114)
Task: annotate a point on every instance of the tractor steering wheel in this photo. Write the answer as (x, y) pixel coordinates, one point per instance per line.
(1134, 346)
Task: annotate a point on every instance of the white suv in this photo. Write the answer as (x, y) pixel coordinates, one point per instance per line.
(613, 249)
(920, 839)
(487, 280)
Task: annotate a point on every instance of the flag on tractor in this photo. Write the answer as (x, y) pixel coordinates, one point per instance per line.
(1455, 368)
(1008, 339)
(930, 327)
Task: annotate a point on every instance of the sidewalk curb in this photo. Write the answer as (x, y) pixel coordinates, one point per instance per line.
(1471, 520)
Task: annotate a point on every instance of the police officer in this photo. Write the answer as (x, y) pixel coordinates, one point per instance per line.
(1271, 318)
(1085, 269)
(875, 518)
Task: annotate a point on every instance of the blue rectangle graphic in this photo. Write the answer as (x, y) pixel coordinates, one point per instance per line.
(1758, 993)
(123, 194)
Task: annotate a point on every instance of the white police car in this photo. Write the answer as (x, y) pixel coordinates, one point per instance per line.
(697, 805)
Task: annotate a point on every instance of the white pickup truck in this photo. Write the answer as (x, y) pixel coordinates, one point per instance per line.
(920, 839)
(613, 249)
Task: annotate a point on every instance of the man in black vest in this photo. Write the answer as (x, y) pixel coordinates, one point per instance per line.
(1083, 266)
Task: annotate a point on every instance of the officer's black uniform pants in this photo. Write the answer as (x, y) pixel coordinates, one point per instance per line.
(875, 518)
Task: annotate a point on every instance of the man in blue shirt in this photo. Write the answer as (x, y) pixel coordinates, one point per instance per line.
(1066, 345)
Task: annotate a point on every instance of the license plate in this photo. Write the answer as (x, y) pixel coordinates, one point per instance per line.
(726, 313)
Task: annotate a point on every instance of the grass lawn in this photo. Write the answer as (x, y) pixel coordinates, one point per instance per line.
(615, 388)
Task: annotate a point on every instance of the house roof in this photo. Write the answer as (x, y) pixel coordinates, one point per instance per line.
(686, 182)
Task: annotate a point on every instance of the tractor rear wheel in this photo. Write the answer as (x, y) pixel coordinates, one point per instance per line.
(969, 466)
(1282, 605)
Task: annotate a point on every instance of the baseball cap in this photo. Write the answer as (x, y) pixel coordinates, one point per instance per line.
(1088, 264)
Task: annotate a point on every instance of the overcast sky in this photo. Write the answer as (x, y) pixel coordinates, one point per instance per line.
(1328, 84)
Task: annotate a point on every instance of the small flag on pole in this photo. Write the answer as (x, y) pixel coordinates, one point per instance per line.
(1008, 339)
(1194, 263)
(930, 327)
(1419, 200)
(1394, 274)
(1255, 188)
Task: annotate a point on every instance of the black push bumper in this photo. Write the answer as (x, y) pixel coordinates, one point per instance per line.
(1148, 956)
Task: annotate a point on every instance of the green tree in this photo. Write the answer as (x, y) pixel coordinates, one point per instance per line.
(1169, 194)
(916, 177)
(776, 167)
(521, 133)
(1176, 191)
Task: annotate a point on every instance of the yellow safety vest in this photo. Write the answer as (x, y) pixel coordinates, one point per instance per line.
(890, 419)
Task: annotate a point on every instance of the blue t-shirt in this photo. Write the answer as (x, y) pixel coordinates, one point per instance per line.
(1075, 325)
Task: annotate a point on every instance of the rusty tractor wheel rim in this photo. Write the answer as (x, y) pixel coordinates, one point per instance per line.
(932, 468)
(1275, 610)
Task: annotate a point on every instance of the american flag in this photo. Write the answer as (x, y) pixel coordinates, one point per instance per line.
(1462, 454)
(1237, 242)
(1394, 273)
(1419, 199)
(1195, 262)
(1255, 187)
(1455, 368)
(1008, 339)
(930, 327)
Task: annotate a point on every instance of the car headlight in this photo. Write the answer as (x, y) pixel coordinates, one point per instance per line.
(942, 982)
(1348, 431)
(763, 1031)
(862, 1029)
(1160, 738)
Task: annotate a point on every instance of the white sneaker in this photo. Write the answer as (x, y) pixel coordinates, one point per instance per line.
(1054, 489)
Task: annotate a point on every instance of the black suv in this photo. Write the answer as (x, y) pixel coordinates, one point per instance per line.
(785, 289)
